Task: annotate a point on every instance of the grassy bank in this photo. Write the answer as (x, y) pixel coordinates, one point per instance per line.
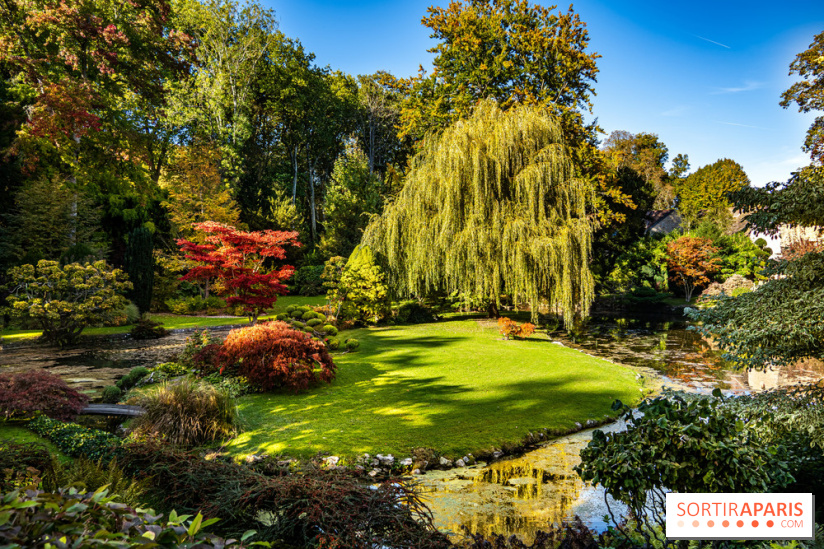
(454, 386)
(17, 432)
(173, 322)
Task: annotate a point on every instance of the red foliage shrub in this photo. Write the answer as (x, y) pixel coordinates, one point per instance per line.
(207, 359)
(511, 329)
(273, 355)
(23, 394)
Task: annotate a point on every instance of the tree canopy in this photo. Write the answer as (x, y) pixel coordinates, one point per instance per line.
(808, 93)
(705, 192)
(492, 206)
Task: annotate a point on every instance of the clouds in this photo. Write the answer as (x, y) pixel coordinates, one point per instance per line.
(748, 86)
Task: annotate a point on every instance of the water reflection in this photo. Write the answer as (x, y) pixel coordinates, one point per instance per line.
(679, 354)
(522, 495)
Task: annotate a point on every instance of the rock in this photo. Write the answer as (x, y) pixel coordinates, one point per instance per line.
(374, 472)
(445, 462)
(331, 461)
(387, 460)
(365, 458)
(406, 462)
(460, 463)
(416, 472)
(376, 462)
(254, 458)
(590, 423)
(578, 426)
(497, 454)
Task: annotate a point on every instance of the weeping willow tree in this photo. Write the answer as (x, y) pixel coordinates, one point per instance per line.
(492, 207)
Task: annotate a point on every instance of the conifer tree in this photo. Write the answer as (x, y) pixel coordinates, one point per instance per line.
(139, 264)
(492, 206)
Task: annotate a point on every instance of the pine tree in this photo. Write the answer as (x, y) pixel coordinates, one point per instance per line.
(492, 206)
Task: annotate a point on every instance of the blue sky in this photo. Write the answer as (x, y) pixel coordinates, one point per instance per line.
(705, 76)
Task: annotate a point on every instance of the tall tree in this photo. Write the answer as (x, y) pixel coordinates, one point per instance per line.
(703, 194)
(808, 94)
(492, 206)
(508, 50)
(354, 193)
(646, 154)
(139, 265)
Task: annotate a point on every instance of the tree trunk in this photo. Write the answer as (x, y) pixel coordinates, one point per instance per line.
(312, 200)
(295, 178)
(492, 309)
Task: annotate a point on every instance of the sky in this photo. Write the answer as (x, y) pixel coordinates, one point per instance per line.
(706, 77)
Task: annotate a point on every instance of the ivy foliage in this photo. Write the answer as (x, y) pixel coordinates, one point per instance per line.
(63, 300)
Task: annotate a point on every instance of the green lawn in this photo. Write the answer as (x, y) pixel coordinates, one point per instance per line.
(20, 434)
(454, 386)
(172, 322)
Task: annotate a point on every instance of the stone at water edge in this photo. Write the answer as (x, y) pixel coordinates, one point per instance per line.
(406, 462)
(445, 462)
(416, 472)
(578, 426)
(387, 460)
(460, 463)
(497, 454)
(331, 461)
(590, 423)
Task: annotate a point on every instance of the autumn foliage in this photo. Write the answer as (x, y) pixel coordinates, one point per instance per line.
(273, 355)
(238, 260)
(511, 329)
(691, 261)
(26, 393)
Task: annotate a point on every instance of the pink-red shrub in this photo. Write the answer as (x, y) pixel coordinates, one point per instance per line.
(23, 394)
(272, 355)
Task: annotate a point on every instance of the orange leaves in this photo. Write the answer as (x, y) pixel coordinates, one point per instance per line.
(691, 261)
(510, 329)
(272, 355)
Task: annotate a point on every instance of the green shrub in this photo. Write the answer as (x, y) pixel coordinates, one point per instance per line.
(297, 313)
(314, 322)
(413, 312)
(308, 315)
(307, 280)
(111, 394)
(88, 476)
(146, 328)
(69, 518)
(194, 345)
(290, 308)
(321, 317)
(186, 412)
(235, 386)
(352, 344)
(75, 440)
(330, 330)
(333, 344)
(132, 378)
(282, 316)
(170, 369)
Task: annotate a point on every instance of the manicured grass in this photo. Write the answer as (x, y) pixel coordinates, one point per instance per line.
(173, 322)
(21, 435)
(454, 386)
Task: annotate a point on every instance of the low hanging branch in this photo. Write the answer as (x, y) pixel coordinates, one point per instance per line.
(490, 207)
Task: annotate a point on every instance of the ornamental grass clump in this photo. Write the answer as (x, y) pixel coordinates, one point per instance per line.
(273, 355)
(187, 413)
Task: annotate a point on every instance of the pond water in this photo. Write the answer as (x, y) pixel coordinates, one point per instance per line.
(99, 361)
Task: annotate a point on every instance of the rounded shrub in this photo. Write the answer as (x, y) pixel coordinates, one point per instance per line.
(308, 329)
(330, 330)
(308, 315)
(321, 317)
(314, 322)
(290, 308)
(297, 324)
(25, 393)
(282, 316)
(272, 355)
(297, 313)
(111, 394)
(352, 344)
(333, 344)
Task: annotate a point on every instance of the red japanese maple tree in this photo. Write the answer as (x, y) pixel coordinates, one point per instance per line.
(242, 262)
(691, 261)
